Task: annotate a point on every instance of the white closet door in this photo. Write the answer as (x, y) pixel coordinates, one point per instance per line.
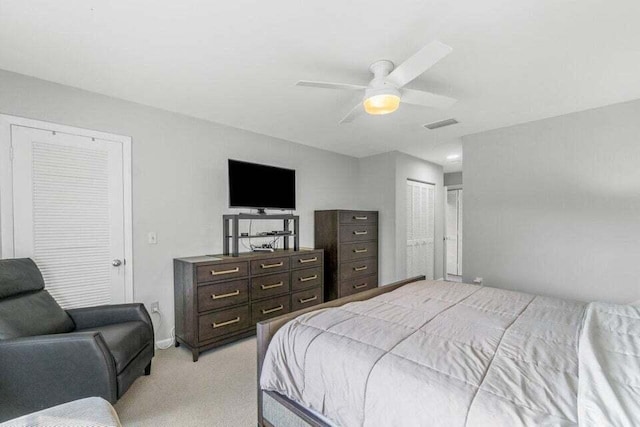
(68, 204)
(420, 229)
(459, 239)
(452, 232)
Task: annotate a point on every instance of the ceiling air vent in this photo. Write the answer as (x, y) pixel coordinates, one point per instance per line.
(441, 124)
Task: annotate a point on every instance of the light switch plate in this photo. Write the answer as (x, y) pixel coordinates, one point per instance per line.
(152, 238)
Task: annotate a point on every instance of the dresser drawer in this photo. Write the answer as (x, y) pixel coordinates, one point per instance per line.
(273, 307)
(358, 268)
(269, 265)
(358, 217)
(358, 233)
(307, 278)
(304, 299)
(269, 285)
(353, 251)
(223, 322)
(358, 284)
(225, 294)
(312, 259)
(219, 272)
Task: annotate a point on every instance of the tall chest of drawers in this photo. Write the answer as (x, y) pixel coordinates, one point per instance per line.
(350, 242)
(219, 299)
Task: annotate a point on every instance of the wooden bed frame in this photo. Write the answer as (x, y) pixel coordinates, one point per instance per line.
(267, 329)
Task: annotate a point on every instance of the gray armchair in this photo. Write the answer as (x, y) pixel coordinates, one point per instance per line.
(49, 356)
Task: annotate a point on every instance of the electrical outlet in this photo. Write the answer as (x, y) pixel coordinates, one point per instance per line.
(152, 238)
(155, 307)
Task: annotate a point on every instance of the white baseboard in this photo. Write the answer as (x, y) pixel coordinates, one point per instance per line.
(164, 343)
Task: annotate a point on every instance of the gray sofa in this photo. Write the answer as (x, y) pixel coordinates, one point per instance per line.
(50, 356)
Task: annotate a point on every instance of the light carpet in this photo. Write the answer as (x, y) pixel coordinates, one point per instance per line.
(218, 390)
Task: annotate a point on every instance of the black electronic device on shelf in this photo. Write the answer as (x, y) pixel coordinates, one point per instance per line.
(261, 187)
(263, 248)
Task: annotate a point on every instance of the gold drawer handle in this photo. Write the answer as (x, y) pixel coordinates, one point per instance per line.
(360, 251)
(303, 261)
(275, 285)
(364, 267)
(233, 270)
(360, 286)
(360, 218)
(227, 323)
(360, 233)
(230, 294)
(277, 264)
(306, 279)
(304, 301)
(273, 310)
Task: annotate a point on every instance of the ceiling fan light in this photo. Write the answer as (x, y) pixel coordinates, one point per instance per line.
(381, 104)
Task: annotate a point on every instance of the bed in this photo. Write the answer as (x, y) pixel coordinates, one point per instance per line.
(424, 352)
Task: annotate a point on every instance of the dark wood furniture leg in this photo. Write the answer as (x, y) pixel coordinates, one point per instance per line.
(147, 370)
(236, 236)
(285, 243)
(225, 233)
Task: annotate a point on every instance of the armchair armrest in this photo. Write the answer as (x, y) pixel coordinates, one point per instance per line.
(43, 371)
(102, 315)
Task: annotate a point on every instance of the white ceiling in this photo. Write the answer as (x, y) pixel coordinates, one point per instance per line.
(236, 62)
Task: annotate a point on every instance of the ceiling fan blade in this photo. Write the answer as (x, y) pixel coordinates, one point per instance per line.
(426, 99)
(329, 85)
(417, 64)
(353, 114)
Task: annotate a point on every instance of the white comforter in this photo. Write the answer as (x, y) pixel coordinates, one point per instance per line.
(436, 354)
(609, 392)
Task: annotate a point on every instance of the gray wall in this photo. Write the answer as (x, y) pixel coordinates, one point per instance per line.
(378, 192)
(452, 178)
(383, 186)
(179, 174)
(553, 206)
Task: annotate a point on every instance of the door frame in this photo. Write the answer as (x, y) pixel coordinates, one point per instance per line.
(7, 244)
(444, 237)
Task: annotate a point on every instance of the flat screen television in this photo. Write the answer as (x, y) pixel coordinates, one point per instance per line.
(256, 186)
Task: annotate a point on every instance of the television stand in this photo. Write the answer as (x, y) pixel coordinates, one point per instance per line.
(231, 230)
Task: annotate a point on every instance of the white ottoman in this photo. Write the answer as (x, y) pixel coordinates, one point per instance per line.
(89, 412)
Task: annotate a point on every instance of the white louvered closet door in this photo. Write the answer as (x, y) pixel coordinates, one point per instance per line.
(452, 231)
(69, 214)
(420, 229)
(460, 232)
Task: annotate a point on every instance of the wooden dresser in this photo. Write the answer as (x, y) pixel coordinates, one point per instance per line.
(219, 299)
(350, 242)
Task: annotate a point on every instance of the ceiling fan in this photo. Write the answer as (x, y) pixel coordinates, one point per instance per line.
(383, 94)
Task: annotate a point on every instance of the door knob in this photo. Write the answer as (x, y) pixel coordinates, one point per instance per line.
(116, 263)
